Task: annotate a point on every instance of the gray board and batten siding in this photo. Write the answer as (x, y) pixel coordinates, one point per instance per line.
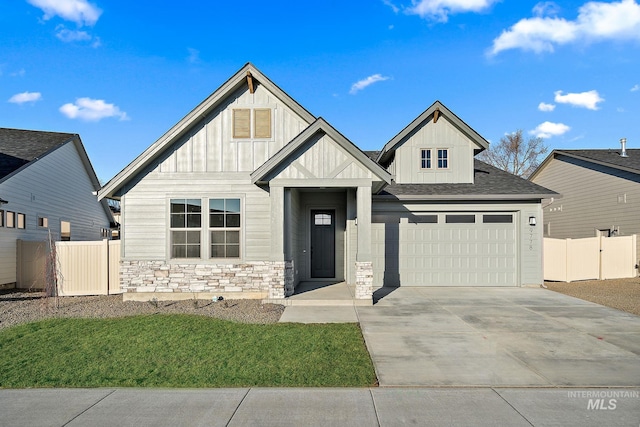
(302, 172)
(206, 163)
(596, 197)
(57, 185)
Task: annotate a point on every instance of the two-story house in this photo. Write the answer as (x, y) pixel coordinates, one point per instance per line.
(250, 195)
(47, 187)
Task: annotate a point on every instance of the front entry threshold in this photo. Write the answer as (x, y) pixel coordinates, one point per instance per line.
(321, 294)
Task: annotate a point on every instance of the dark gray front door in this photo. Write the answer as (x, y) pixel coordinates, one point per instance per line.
(323, 247)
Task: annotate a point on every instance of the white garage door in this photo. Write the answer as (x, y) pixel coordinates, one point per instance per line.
(445, 249)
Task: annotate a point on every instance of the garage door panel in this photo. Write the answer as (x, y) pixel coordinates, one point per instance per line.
(445, 254)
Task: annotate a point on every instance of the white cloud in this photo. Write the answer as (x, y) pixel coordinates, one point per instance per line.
(635, 88)
(21, 98)
(596, 21)
(547, 8)
(587, 100)
(549, 129)
(194, 56)
(92, 110)
(79, 11)
(68, 36)
(359, 85)
(393, 7)
(439, 10)
(546, 107)
(20, 73)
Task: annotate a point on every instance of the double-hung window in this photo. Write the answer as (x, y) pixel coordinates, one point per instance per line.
(425, 158)
(224, 228)
(186, 226)
(443, 158)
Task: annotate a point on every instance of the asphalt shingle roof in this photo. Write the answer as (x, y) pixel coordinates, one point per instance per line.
(488, 181)
(373, 155)
(19, 147)
(610, 157)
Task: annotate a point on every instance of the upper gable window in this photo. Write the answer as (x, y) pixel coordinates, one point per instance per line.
(242, 123)
(425, 158)
(443, 158)
(262, 123)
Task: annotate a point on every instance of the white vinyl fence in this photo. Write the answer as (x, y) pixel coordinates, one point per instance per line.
(81, 268)
(568, 260)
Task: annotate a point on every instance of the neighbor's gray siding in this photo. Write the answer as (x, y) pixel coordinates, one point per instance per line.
(56, 187)
(208, 163)
(593, 198)
(407, 167)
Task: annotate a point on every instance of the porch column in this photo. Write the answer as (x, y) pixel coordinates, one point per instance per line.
(364, 266)
(278, 262)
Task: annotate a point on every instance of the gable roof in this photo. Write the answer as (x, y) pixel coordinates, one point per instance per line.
(490, 183)
(192, 119)
(391, 146)
(319, 126)
(606, 157)
(20, 147)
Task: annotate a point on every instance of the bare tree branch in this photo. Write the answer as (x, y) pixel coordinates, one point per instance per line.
(514, 154)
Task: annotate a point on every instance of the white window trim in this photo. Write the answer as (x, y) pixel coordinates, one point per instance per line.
(438, 158)
(252, 118)
(205, 244)
(430, 150)
(172, 229)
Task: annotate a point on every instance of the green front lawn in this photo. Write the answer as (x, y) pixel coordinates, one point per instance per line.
(182, 351)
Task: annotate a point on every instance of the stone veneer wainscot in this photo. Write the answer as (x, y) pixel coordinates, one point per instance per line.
(272, 278)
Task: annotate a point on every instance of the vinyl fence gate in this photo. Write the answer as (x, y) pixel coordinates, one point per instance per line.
(82, 268)
(592, 258)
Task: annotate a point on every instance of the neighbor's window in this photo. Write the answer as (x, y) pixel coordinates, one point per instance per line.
(43, 221)
(262, 123)
(22, 221)
(443, 158)
(65, 231)
(224, 228)
(11, 219)
(186, 223)
(425, 159)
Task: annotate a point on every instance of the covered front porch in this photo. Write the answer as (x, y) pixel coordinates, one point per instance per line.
(320, 187)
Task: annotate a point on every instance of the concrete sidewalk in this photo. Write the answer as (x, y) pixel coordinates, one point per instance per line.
(321, 407)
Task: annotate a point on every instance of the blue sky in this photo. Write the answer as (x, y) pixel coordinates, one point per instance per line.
(121, 73)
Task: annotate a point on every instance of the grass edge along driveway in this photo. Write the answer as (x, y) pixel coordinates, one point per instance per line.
(182, 351)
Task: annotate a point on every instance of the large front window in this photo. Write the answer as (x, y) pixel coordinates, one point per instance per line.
(186, 225)
(224, 228)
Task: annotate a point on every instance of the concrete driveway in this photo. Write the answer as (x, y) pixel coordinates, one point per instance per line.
(499, 337)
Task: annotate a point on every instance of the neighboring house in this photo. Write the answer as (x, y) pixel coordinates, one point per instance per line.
(251, 194)
(47, 185)
(600, 193)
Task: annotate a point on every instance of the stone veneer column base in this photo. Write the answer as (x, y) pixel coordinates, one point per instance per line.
(274, 278)
(364, 280)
